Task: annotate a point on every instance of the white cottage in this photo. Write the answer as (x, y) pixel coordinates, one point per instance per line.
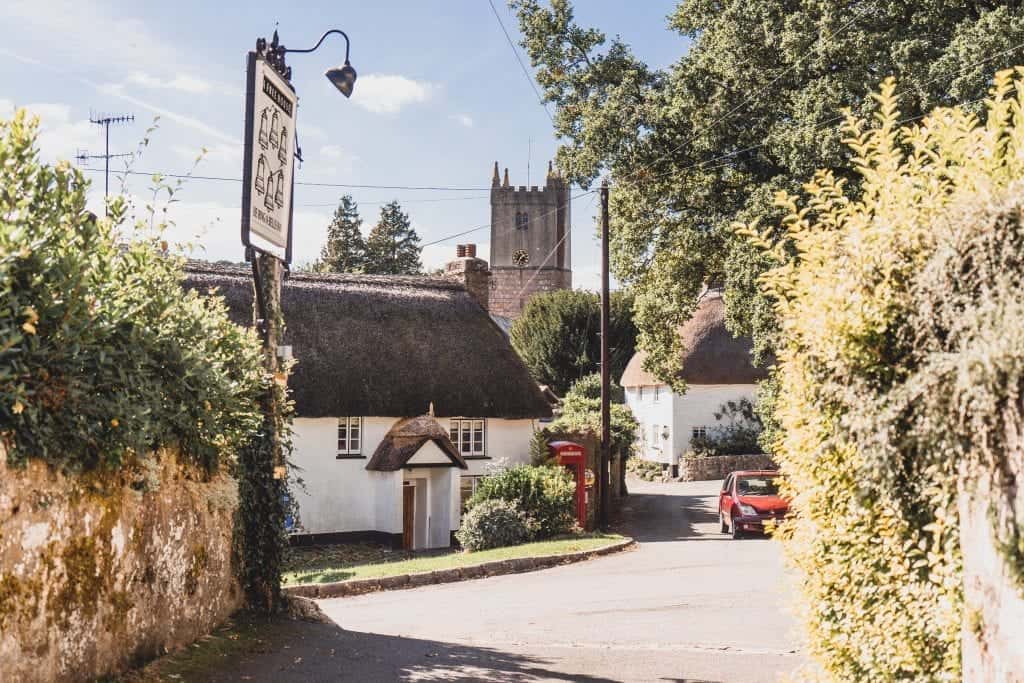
(405, 390)
(717, 368)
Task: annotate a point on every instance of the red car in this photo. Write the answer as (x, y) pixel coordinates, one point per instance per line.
(748, 499)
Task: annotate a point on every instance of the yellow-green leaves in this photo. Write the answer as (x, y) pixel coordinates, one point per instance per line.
(893, 373)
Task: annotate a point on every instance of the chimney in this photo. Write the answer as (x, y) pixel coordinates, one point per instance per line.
(472, 273)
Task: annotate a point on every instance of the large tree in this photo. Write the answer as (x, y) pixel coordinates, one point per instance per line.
(345, 249)
(748, 109)
(393, 247)
(558, 336)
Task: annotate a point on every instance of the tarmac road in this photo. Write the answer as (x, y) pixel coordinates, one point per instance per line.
(689, 604)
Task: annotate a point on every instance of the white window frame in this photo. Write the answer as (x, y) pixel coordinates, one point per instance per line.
(699, 432)
(469, 434)
(640, 393)
(657, 393)
(349, 439)
(474, 482)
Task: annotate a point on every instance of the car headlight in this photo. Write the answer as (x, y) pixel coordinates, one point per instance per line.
(747, 510)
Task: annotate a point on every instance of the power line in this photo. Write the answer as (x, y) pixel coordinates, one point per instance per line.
(227, 179)
(522, 66)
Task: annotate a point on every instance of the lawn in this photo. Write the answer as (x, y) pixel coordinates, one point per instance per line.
(363, 561)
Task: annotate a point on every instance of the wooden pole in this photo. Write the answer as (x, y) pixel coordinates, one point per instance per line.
(606, 435)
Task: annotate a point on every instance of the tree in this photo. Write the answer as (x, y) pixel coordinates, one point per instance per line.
(393, 247)
(900, 396)
(345, 249)
(558, 336)
(749, 109)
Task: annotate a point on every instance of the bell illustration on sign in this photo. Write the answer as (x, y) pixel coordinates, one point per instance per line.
(264, 139)
(268, 199)
(279, 195)
(261, 173)
(282, 149)
(273, 130)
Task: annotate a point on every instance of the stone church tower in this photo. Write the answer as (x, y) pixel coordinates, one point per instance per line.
(530, 241)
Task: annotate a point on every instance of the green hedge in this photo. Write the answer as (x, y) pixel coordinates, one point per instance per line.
(544, 494)
(492, 524)
(102, 355)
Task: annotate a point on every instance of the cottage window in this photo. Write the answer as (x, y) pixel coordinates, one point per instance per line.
(468, 437)
(467, 487)
(350, 437)
(640, 393)
(655, 432)
(657, 393)
(699, 433)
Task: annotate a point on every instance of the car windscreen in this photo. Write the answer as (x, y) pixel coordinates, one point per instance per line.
(757, 486)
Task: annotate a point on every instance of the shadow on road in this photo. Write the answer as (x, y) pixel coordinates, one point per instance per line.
(254, 649)
(669, 516)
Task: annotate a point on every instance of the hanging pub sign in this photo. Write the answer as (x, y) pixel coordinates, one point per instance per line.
(269, 160)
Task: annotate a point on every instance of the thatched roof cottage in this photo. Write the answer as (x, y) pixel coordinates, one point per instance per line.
(405, 389)
(717, 368)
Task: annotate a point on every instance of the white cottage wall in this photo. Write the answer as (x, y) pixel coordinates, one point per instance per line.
(654, 409)
(341, 495)
(697, 408)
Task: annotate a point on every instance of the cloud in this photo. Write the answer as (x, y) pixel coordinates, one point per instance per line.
(462, 119)
(220, 153)
(181, 83)
(388, 94)
(60, 136)
(117, 90)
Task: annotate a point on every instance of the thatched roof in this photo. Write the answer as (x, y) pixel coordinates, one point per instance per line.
(406, 438)
(711, 356)
(387, 345)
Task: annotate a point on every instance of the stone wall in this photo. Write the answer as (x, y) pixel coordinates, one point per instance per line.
(99, 572)
(692, 468)
(511, 287)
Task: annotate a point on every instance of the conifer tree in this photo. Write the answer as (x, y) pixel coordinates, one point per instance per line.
(345, 249)
(393, 247)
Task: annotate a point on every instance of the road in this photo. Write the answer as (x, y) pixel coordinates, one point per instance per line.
(689, 604)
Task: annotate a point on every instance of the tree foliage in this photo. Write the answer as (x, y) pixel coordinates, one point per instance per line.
(558, 336)
(899, 373)
(345, 249)
(103, 357)
(581, 412)
(393, 247)
(750, 108)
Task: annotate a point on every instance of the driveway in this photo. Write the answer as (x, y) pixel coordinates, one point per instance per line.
(689, 604)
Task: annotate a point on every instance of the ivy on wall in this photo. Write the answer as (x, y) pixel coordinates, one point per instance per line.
(898, 375)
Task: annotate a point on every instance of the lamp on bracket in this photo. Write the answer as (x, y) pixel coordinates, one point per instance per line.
(342, 77)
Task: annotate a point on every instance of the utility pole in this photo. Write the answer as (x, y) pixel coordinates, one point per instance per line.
(84, 156)
(606, 428)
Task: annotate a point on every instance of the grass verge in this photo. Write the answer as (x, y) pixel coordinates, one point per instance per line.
(325, 565)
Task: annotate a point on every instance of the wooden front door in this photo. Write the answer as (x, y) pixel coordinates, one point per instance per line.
(408, 506)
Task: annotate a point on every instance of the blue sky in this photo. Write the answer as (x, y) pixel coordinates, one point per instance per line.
(439, 98)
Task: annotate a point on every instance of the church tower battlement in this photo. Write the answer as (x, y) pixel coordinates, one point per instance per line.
(530, 241)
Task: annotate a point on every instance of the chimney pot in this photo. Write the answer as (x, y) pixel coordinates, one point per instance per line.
(460, 250)
(470, 250)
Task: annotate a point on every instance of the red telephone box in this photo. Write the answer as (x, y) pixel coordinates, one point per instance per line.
(574, 458)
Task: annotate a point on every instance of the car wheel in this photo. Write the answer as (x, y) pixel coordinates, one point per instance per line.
(721, 520)
(736, 533)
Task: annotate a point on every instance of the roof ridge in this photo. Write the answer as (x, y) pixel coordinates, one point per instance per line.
(199, 266)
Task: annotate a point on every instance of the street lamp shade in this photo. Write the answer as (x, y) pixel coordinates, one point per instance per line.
(343, 78)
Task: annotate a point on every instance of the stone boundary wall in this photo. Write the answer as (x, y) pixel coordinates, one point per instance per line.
(692, 468)
(100, 572)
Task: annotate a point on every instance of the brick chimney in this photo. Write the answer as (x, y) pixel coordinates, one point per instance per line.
(472, 273)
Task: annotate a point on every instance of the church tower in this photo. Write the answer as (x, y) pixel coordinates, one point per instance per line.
(530, 241)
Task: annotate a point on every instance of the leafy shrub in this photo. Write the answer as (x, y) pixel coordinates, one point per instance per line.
(492, 524)
(544, 494)
(738, 431)
(900, 367)
(581, 412)
(645, 469)
(102, 355)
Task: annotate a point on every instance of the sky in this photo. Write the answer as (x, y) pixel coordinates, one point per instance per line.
(439, 98)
